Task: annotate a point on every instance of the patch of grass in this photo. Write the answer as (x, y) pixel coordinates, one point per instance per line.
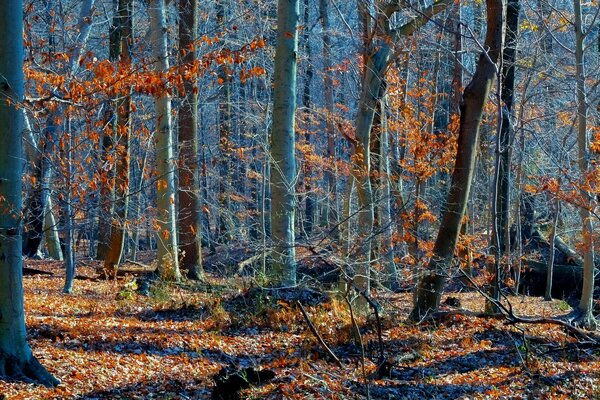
(563, 305)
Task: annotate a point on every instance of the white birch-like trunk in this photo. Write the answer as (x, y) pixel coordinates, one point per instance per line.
(168, 262)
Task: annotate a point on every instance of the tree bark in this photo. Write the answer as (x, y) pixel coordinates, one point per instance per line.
(431, 283)
(16, 359)
(226, 225)
(168, 260)
(585, 306)
(283, 164)
(120, 52)
(190, 225)
(332, 211)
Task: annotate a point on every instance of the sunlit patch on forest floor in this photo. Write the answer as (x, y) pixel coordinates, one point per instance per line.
(107, 342)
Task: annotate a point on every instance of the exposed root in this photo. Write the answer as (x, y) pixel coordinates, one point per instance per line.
(584, 320)
(30, 371)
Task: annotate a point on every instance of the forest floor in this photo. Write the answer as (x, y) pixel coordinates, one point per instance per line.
(105, 341)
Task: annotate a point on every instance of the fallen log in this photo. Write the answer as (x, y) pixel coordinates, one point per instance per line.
(567, 279)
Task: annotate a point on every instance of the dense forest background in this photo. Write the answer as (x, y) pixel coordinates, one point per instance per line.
(229, 163)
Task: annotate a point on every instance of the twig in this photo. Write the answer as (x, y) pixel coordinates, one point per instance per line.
(318, 336)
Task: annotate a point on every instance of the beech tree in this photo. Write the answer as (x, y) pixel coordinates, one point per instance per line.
(16, 359)
(120, 52)
(283, 139)
(168, 259)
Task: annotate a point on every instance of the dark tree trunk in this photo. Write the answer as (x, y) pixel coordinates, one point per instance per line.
(190, 225)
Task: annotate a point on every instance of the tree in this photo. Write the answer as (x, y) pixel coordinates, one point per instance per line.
(585, 306)
(431, 283)
(120, 52)
(190, 225)
(283, 140)
(16, 359)
(168, 260)
(378, 54)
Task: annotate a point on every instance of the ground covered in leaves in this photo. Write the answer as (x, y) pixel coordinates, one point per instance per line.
(106, 341)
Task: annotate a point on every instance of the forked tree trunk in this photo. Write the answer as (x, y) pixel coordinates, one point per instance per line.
(431, 283)
(16, 359)
(377, 56)
(190, 225)
(120, 52)
(168, 260)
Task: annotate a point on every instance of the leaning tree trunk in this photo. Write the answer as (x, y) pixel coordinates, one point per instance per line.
(16, 359)
(120, 52)
(190, 225)
(283, 138)
(431, 283)
(168, 261)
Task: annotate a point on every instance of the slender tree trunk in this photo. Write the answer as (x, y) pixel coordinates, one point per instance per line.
(332, 212)
(51, 233)
(168, 260)
(550, 271)
(190, 225)
(586, 303)
(68, 211)
(507, 132)
(16, 358)
(226, 224)
(385, 210)
(431, 283)
(309, 201)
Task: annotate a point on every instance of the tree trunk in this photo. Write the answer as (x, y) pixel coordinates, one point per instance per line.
(309, 201)
(283, 170)
(226, 224)
(190, 225)
(120, 52)
(586, 303)
(550, 270)
(431, 283)
(508, 88)
(386, 248)
(332, 212)
(51, 233)
(16, 359)
(168, 260)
